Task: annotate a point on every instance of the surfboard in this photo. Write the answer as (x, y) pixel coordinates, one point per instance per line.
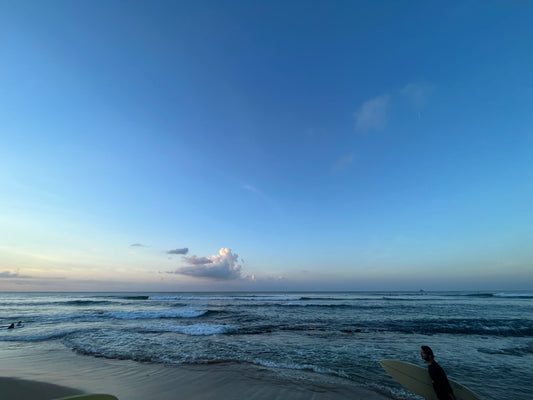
(417, 380)
(89, 397)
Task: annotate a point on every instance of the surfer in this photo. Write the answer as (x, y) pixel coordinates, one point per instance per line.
(12, 326)
(439, 379)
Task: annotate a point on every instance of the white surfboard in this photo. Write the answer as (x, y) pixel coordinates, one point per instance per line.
(417, 380)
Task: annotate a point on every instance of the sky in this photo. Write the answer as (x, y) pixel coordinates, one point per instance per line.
(266, 145)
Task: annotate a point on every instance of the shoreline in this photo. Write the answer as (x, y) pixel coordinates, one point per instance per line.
(53, 371)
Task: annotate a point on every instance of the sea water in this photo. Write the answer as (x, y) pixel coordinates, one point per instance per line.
(483, 340)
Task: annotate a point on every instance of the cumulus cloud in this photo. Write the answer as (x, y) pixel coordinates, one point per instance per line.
(9, 274)
(138, 245)
(193, 260)
(185, 250)
(372, 115)
(221, 266)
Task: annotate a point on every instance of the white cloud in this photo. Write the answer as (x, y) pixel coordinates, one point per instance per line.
(221, 266)
(372, 115)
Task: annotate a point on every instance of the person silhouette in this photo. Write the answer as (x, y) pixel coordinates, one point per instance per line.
(441, 385)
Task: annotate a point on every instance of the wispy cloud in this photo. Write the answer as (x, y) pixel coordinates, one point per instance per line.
(252, 189)
(9, 274)
(417, 94)
(256, 191)
(372, 114)
(221, 266)
(138, 245)
(185, 250)
(343, 163)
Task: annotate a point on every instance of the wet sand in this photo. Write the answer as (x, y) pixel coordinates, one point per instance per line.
(43, 369)
(12, 388)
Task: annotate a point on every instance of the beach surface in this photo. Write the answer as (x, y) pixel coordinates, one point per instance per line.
(41, 373)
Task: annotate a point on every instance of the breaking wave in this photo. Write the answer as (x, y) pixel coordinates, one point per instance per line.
(156, 314)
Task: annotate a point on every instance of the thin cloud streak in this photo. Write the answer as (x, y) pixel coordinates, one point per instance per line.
(185, 250)
(9, 274)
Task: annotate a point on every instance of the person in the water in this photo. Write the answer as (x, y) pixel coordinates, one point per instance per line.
(442, 387)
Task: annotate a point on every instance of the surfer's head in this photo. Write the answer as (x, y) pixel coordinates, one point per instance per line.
(426, 353)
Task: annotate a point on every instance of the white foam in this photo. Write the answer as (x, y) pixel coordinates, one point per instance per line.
(513, 295)
(152, 314)
(281, 298)
(203, 329)
(295, 366)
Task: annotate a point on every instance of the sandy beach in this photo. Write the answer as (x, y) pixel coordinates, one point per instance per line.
(39, 373)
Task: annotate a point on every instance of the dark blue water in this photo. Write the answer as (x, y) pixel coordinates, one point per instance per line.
(483, 340)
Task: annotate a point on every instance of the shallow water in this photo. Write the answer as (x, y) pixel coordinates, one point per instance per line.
(483, 340)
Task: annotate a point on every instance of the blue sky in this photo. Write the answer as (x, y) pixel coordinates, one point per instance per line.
(266, 145)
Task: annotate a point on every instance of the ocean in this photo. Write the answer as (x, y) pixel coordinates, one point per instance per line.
(483, 340)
